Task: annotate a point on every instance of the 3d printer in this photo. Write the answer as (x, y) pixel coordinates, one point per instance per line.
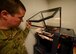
(61, 41)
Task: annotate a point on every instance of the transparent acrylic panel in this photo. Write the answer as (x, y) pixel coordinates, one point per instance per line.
(50, 17)
(46, 14)
(37, 17)
(54, 21)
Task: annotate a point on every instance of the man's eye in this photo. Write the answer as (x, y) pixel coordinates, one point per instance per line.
(21, 18)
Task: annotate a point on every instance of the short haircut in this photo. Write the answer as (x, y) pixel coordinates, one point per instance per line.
(11, 6)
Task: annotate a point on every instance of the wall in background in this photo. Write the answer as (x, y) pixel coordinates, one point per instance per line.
(68, 12)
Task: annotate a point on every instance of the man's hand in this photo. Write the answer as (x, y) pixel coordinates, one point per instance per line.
(28, 24)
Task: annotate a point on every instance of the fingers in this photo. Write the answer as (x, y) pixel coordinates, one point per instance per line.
(28, 24)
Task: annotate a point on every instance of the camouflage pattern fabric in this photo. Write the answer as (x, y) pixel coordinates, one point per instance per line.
(11, 41)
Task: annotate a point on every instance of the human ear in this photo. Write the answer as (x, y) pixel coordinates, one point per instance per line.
(4, 14)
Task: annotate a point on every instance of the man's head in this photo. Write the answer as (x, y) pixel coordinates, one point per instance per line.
(12, 12)
(11, 6)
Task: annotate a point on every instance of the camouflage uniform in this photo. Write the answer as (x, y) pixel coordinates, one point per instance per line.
(11, 41)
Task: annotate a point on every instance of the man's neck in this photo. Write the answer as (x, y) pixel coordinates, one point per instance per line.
(3, 25)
